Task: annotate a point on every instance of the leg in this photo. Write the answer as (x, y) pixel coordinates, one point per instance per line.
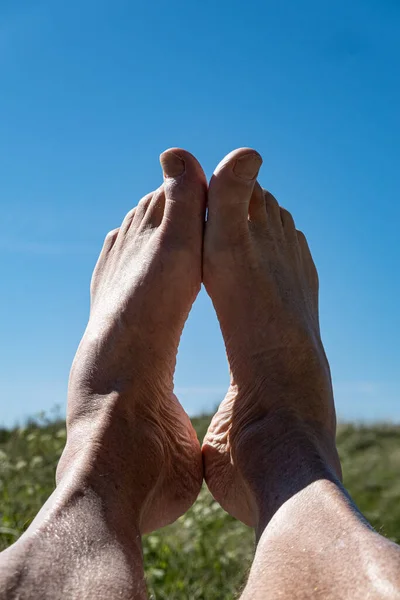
(270, 455)
(317, 545)
(132, 462)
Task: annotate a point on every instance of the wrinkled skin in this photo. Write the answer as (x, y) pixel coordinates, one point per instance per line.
(132, 461)
(121, 384)
(260, 275)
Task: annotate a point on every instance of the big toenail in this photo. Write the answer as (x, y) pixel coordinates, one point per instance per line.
(172, 164)
(247, 166)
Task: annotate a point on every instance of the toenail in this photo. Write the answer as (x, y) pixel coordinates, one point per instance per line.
(172, 164)
(247, 166)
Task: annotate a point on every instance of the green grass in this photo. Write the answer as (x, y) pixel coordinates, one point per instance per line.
(206, 554)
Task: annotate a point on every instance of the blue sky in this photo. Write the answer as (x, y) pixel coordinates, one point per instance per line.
(92, 92)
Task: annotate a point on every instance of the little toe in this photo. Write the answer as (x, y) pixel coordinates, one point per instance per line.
(308, 261)
(110, 240)
(109, 243)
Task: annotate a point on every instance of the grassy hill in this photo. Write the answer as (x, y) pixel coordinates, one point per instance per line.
(206, 554)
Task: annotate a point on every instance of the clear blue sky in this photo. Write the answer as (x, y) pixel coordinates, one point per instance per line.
(92, 91)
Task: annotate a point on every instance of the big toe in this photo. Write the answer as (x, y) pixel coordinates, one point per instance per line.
(234, 192)
(185, 188)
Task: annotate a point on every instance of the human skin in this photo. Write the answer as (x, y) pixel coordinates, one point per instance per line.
(132, 461)
(270, 455)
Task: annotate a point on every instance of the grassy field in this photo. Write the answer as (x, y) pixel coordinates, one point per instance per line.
(206, 554)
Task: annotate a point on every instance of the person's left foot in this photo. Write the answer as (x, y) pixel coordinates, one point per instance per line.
(128, 436)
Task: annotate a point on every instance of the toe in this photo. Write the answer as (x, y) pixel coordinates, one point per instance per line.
(135, 215)
(257, 208)
(155, 210)
(305, 249)
(110, 240)
(307, 260)
(273, 209)
(231, 188)
(108, 245)
(288, 226)
(185, 189)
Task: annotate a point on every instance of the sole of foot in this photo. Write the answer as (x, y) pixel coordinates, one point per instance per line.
(123, 418)
(262, 280)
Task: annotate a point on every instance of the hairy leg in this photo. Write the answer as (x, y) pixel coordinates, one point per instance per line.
(132, 461)
(270, 454)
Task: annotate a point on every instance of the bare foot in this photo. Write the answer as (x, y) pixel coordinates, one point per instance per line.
(125, 426)
(279, 409)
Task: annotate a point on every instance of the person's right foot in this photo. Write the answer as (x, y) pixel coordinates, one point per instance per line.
(279, 409)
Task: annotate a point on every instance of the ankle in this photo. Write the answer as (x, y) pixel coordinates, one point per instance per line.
(322, 505)
(98, 463)
(281, 454)
(297, 468)
(86, 482)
